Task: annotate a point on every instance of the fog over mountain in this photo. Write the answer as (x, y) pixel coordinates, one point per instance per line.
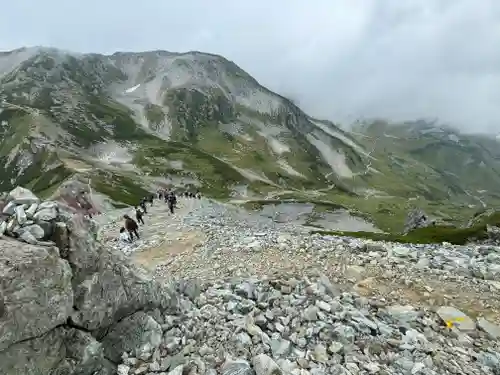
(340, 60)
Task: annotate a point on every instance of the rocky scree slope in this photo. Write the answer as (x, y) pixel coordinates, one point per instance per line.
(251, 299)
(261, 292)
(190, 118)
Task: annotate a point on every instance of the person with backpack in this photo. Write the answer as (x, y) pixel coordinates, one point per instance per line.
(138, 215)
(132, 227)
(171, 200)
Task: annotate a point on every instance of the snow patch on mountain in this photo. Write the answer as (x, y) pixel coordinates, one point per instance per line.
(335, 159)
(132, 89)
(112, 152)
(336, 134)
(289, 169)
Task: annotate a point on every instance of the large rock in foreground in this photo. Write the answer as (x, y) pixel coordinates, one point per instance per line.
(62, 308)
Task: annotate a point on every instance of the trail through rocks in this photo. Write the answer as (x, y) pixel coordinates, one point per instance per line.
(256, 291)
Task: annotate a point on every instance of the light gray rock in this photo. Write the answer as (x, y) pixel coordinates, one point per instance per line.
(137, 333)
(20, 195)
(177, 370)
(46, 214)
(36, 288)
(31, 210)
(10, 208)
(21, 215)
(403, 314)
(35, 230)
(236, 367)
(107, 286)
(491, 329)
(400, 251)
(123, 369)
(355, 272)
(85, 353)
(451, 315)
(264, 365)
(41, 355)
(28, 238)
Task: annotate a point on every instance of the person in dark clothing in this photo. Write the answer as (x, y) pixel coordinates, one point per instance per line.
(139, 215)
(151, 198)
(171, 202)
(142, 204)
(131, 226)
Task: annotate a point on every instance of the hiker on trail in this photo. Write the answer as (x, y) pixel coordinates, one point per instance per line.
(171, 200)
(151, 198)
(124, 236)
(198, 195)
(138, 215)
(131, 226)
(142, 204)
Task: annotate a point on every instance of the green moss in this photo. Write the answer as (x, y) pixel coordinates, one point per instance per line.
(119, 188)
(155, 115)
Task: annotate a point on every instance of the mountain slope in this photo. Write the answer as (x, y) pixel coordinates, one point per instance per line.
(200, 112)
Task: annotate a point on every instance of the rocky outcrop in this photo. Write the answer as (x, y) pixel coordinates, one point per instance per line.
(417, 219)
(67, 303)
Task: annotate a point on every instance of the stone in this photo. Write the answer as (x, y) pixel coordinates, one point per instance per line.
(236, 367)
(20, 215)
(40, 355)
(403, 314)
(35, 230)
(107, 286)
(400, 251)
(456, 318)
(354, 272)
(137, 333)
(20, 195)
(3, 228)
(9, 208)
(264, 365)
(46, 214)
(36, 289)
(28, 238)
(123, 369)
(31, 210)
(491, 329)
(178, 370)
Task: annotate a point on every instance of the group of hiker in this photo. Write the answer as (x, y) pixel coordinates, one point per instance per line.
(131, 226)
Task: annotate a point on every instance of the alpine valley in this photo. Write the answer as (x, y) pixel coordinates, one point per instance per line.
(129, 123)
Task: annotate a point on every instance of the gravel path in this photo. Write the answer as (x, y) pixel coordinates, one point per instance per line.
(258, 296)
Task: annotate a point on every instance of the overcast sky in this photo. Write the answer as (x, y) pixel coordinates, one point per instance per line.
(342, 60)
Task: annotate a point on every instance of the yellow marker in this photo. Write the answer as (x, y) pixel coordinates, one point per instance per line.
(451, 323)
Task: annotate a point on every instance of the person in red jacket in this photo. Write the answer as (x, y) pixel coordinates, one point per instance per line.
(131, 226)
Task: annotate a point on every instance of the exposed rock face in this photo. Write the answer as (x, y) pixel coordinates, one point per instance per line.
(64, 309)
(417, 219)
